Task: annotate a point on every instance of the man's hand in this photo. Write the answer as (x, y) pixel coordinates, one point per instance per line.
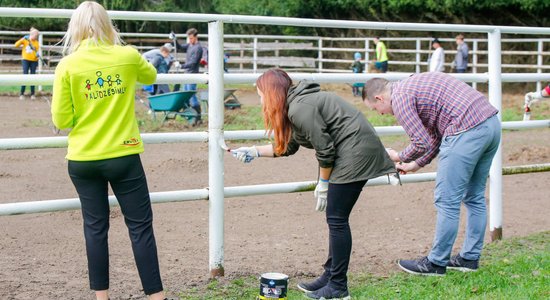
(245, 154)
(172, 35)
(320, 194)
(405, 168)
(394, 155)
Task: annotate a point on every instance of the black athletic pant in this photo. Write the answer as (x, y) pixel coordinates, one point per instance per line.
(340, 202)
(127, 179)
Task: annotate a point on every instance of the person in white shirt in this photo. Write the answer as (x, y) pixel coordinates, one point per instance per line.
(437, 61)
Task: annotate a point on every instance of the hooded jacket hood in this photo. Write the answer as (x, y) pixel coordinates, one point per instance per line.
(303, 87)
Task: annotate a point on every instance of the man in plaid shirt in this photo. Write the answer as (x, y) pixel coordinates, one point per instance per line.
(444, 115)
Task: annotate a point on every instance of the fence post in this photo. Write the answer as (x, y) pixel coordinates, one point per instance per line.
(367, 45)
(495, 97)
(255, 55)
(418, 48)
(320, 55)
(40, 44)
(241, 67)
(215, 151)
(474, 62)
(539, 61)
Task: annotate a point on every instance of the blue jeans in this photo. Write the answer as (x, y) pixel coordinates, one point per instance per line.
(28, 65)
(193, 101)
(464, 163)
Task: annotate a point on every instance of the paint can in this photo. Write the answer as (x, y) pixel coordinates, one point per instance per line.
(273, 286)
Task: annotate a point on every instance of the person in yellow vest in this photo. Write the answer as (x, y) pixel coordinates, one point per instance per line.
(29, 56)
(93, 93)
(381, 62)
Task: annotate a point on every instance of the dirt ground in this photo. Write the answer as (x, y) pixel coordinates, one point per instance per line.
(42, 256)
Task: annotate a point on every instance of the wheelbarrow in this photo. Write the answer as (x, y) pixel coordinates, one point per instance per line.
(230, 101)
(172, 105)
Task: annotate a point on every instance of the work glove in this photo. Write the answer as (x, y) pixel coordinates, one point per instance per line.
(27, 37)
(177, 64)
(172, 35)
(320, 194)
(245, 154)
(532, 97)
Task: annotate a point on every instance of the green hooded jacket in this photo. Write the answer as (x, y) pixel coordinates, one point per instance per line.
(341, 136)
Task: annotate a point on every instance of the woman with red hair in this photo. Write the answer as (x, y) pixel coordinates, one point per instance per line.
(347, 148)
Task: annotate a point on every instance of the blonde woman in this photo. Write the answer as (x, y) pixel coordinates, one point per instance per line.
(29, 57)
(93, 94)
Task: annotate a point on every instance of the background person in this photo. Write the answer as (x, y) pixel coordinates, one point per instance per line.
(381, 55)
(460, 64)
(93, 93)
(437, 60)
(444, 115)
(162, 61)
(347, 148)
(357, 67)
(29, 57)
(193, 56)
(533, 97)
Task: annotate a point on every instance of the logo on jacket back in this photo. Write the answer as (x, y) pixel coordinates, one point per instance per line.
(131, 142)
(102, 88)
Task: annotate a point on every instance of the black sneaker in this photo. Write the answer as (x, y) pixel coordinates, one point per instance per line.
(329, 293)
(421, 266)
(459, 263)
(308, 287)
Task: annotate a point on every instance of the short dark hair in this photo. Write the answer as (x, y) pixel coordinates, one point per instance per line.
(374, 87)
(192, 31)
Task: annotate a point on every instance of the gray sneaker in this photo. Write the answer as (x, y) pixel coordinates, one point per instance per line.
(459, 263)
(421, 266)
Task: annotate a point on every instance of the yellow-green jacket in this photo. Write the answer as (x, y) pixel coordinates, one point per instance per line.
(93, 93)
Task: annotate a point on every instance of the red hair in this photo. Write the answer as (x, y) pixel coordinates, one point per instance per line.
(274, 84)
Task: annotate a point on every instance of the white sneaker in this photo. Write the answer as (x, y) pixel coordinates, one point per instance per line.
(21, 97)
(33, 97)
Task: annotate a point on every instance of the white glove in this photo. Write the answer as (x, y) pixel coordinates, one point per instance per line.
(245, 154)
(177, 64)
(532, 97)
(320, 194)
(172, 36)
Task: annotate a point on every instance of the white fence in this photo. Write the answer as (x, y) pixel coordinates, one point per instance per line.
(215, 135)
(315, 54)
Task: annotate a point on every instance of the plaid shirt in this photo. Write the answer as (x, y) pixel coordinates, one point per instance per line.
(431, 106)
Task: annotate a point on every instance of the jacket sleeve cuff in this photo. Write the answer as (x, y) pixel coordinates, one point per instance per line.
(326, 164)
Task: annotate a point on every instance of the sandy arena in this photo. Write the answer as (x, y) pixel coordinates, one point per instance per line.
(43, 256)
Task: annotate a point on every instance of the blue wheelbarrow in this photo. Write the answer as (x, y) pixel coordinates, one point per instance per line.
(172, 105)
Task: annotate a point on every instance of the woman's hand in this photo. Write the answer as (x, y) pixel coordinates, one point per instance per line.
(320, 194)
(245, 154)
(405, 168)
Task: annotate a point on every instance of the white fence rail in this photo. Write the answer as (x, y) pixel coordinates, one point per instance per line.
(216, 79)
(250, 52)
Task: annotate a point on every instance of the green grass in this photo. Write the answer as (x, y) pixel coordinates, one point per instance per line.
(517, 268)
(16, 89)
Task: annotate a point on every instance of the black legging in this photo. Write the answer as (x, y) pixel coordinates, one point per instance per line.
(127, 179)
(340, 202)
